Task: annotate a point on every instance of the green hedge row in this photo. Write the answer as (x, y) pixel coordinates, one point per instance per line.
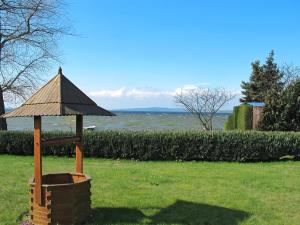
(240, 119)
(208, 146)
(230, 122)
(245, 117)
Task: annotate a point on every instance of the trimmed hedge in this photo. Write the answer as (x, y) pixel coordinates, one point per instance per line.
(206, 146)
(230, 123)
(240, 119)
(245, 117)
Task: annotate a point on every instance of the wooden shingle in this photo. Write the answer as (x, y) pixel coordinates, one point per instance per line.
(59, 97)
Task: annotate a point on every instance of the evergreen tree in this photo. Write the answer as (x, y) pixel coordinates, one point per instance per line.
(282, 109)
(272, 77)
(251, 90)
(271, 112)
(263, 79)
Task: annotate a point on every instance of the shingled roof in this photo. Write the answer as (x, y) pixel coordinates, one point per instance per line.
(59, 97)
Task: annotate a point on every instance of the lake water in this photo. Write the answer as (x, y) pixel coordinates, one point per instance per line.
(123, 121)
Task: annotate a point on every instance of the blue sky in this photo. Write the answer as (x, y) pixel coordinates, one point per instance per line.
(137, 53)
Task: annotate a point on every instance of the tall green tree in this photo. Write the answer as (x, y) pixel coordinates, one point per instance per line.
(263, 79)
(272, 77)
(251, 91)
(282, 109)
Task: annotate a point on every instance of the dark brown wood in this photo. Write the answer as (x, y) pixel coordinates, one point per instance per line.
(64, 204)
(256, 115)
(37, 160)
(60, 140)
(3, 124)
(79, 147)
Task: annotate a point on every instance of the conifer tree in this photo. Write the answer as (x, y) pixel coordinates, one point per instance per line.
(251, 90)
(263, 79)
(281, 111)
(272, 76)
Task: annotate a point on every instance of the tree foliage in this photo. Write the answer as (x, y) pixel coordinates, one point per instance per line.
(279, 89)
(282, 109)
(251, 90)
(263, 78)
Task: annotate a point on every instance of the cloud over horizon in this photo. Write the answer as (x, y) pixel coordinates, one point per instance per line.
(146, 97)
(143, 92)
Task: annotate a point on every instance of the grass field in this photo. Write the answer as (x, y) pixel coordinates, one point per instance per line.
(130, 192)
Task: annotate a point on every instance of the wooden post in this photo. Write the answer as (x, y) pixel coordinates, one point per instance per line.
(37, 160)
(79, 148)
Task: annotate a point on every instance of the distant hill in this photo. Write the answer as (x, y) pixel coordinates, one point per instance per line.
(150, 109)
(159, 109)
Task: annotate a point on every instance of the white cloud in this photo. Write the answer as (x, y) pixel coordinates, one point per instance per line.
(185, 89)
(109, 93)
(144, 93)
(141, 92)
(125, 97)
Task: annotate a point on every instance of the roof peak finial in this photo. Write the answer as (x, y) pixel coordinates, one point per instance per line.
(60, 71)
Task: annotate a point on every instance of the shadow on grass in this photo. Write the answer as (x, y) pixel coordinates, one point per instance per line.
(181, 212)
(115, 216)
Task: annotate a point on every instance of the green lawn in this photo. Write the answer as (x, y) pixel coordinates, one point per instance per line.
(130, 192)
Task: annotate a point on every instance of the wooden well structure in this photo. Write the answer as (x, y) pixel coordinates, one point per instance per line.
(62, 198)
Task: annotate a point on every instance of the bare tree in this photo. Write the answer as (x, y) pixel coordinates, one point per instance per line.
(290, 73)
(29, 33)
(204, 103)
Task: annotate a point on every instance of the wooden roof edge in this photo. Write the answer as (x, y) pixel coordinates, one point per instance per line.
(39, 90)
(62, 105)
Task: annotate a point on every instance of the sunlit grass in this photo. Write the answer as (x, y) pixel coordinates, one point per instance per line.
(130, 192)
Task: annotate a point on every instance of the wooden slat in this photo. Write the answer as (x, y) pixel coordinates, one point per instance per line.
(46, 209)
(41, 221)
(37, 160)
(61, 140)
(63, 204)
(43, 215)
(60, 198)
(79, 148)
(57, 98)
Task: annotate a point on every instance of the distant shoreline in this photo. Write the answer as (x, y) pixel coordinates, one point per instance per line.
(160, 110)
(152, 110)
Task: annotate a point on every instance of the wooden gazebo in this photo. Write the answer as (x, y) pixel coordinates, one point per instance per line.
(59, 198)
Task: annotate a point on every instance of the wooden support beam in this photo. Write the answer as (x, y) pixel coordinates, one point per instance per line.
(61, 140)
(79, 147)
(37, 160)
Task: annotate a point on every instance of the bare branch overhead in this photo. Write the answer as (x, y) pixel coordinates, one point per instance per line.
(29, 31)
(29, 34)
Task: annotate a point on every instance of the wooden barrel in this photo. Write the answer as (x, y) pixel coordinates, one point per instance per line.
(66, 199)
